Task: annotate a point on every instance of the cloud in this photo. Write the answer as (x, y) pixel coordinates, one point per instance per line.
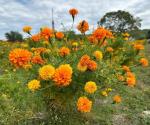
(14, 14)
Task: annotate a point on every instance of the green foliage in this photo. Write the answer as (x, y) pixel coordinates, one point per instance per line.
(13, 36)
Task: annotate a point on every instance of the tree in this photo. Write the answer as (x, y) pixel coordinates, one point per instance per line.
(14, 36)
(148, 34)
(120, 21)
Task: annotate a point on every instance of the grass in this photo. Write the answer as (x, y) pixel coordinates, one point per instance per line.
(19, 106)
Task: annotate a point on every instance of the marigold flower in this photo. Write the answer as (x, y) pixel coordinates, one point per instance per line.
(63, 75)
(84, 104)
(126, 68)
(117, 99)
(27, 66)
(38, 50)
(73, 12)
(92, 65)
(90, 87)
(81, 68)
(138, 46)
(120, 78)
(144, 62)
(84, 60)
(109, 49)
(46, 72)
(99, 33)
(59, 35)
(47, 33)
(20, 57)
(98, 55)
(34, 85)
(27, 29)
(37, 59)
(92, 39)
(126, 38)
(131, 81)
(36, 37)
(83, 26)
(126, 34)
(64, 51)
(104, 93)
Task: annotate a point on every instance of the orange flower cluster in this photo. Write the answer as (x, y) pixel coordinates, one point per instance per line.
(83, 26)
(37, 59)
(101, 33)
(138, 46)
(144, 62)
(59, 35)
(39, 50)
(92, 39)
(131, 80)
(126, 68)
(117, 99)
(64, 51)
(109, 49)
(47, 33)
(73, 12)
(36, 37)
(20, 57)
(84, 104)
(63, 75)
(86, 63)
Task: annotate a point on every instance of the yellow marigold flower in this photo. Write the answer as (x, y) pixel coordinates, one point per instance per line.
(81, 68)
(117, 99)
(46, 72)
(83, 26)
(74, 44)
(98, 55)
(104, 93)
(144, 62)
(64, 51)
(34, 85)
(138, 46)
(109, 49)
(126, 38)
(84, 104)
(90, 87)
(109, 89)
(126, 34)
(27, 66)
(27, 29)
(63, 75)
(20, 57)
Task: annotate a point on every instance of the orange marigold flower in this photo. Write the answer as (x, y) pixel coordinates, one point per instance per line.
(126, 68)
(59, 35)
(92, 39)
(99, 33)
(109, 49)
(144, 62)
(83, 26)
(64, 51)
(84, 60)
(131, 81)
(47, 33)
(37, 59)
(63, 75)
(117, 99)
(27, 29)
(73, 12)
(39, 50)
(92, 65)
(20, 57)
(36, 37)
(138, 46)
(120, 78)
(84, 104)
(130, 74)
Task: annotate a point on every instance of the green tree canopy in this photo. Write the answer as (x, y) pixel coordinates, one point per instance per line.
(14, 36)
(120, 21)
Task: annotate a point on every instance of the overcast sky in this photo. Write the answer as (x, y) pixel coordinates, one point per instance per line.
(14, 14)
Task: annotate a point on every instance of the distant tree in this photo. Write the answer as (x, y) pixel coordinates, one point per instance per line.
(148, 34)
(13, 36)
(120, 21)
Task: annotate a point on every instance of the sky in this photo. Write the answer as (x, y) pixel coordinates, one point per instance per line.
(14, 14)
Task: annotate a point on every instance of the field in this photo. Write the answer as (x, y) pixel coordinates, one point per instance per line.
(21, 106)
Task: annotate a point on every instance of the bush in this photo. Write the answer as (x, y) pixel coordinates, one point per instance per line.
(13, 36)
